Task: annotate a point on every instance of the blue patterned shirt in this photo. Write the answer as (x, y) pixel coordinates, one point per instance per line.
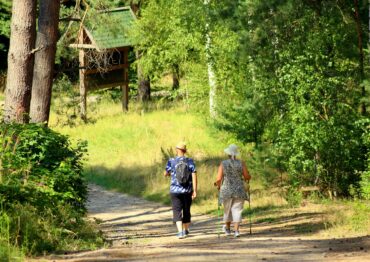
(175, 187)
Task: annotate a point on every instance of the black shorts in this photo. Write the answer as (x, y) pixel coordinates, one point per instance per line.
(181, 207)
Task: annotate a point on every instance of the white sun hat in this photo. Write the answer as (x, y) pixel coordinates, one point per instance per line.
(232, 150)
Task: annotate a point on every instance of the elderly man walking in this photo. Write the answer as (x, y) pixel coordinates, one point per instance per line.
(183, 188)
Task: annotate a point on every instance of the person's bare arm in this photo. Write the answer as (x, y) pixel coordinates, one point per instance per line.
(195, 185)
(220, 175)
(246, 174)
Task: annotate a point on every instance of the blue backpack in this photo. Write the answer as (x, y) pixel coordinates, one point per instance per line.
(183, 172)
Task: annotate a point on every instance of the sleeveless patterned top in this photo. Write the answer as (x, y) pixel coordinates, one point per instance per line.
(233, 182)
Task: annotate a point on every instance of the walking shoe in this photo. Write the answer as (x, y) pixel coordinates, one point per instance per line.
(181, 235)
(226, 230)
(236, 234)
(186, 232)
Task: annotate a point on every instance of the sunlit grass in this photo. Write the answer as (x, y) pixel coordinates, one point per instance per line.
(128, 151)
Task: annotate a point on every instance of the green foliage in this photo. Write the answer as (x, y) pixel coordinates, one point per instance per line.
(42, 191)
(66, 101)
(40, 167)
(365, 175)
(293, 81)
(169, 40)
(294, 197)
(33, 232)
(5, 14)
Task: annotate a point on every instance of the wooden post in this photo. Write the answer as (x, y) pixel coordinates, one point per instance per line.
(125, 87)
(83, 91)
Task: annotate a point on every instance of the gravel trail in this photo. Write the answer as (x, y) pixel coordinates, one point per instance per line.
(143, 231)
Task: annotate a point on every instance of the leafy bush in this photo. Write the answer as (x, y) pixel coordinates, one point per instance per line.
(42, 190)
(365, 175)
(41, 168)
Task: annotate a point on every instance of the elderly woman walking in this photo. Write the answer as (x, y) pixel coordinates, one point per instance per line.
(231, 176)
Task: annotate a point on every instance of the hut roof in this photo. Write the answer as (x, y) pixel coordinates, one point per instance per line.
(109, 29)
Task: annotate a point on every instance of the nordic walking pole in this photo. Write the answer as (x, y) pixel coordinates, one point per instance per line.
(250, 210)
(218, 225)
(218, 215)
(250, 217)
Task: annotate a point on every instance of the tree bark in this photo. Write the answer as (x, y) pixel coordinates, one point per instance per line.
(211, 74)
(361, 51)
(176, 77)
(44, 60)
(135, 7)
(143, 89)
(20, 61)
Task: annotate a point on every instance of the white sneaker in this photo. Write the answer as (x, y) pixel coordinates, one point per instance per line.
(226, 230)
(236, 234)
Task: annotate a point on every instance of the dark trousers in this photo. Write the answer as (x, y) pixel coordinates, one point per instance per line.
(181, 207)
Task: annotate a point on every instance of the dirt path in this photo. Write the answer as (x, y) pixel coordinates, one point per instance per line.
(143, 231)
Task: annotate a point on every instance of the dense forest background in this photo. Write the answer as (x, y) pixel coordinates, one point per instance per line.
(288, 80)
(288, 76)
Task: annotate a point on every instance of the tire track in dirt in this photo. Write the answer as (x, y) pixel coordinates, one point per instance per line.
(143, 231)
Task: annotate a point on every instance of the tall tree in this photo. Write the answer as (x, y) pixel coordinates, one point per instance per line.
(143, 80)
(20, 61)
(44, 60)
(211, 73)
(360, 49)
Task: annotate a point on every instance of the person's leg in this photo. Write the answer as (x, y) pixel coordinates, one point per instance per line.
(186, 219)
(227, 212)
(179, 226)
(177, 211)
(227, 215)
(237, 210)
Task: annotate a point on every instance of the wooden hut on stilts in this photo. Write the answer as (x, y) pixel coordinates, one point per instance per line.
(103, 54)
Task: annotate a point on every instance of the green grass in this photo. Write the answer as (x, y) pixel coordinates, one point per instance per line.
(128, 152)
(10, 253)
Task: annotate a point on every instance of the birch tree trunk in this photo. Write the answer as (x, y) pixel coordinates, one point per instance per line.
(44, 60)
(361, 51)
(211, 73)
(20, 61)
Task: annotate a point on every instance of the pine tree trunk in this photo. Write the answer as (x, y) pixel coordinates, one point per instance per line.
(20, 61)
(44, 60)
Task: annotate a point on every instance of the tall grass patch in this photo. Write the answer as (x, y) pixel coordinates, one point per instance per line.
(128, 152)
